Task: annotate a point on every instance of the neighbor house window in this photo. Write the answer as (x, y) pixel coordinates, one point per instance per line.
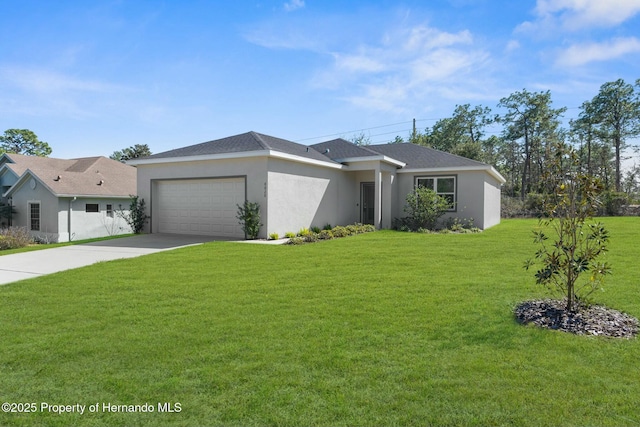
(34, 216)
(444, 186)
(92, 207)
(110, 211)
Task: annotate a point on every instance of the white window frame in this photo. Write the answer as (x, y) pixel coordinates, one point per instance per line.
(435, 179)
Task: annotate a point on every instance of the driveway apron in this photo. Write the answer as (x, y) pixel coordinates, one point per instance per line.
(46, 261)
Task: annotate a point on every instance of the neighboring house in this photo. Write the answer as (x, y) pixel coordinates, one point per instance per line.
(60, 200)
(196, 189)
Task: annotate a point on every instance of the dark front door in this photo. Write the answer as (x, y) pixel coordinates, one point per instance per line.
(367, 202)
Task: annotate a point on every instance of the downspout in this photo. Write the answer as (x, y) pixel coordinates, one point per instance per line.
(69, 216)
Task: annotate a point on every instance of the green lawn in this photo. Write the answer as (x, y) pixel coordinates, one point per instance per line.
(378, 329)
(39, 247)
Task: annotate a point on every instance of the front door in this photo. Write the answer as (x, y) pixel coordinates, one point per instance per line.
(367, 202)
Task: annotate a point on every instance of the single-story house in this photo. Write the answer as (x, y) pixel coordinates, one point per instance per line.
(59, 200)
(197, 189)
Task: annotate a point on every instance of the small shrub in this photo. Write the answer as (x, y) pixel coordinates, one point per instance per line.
(295, 241)
(303, 232)
(316, 230)
(327, 227)
(274, 236)
(325, 235)
(310, 238)
(289, 234)
(368, 228)
(611, 203)
(352, 229)
(249, 217)
(339, 231)
(14, 238)
(136, 217)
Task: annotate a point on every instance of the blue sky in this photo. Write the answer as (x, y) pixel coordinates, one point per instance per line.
(92, 77)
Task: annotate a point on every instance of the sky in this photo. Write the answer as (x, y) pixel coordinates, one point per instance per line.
(93, 77)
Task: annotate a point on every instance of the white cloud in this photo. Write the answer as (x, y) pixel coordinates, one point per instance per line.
(581, 54)
(574, 15)
(293, 5)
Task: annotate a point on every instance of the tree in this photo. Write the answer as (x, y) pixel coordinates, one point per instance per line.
(361, 139)
(461, 134)
(532, 123)
(23, 141)
(616, 110)
(570, 199)
(133, 152)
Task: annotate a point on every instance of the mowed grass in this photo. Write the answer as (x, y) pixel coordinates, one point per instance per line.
(385, 328)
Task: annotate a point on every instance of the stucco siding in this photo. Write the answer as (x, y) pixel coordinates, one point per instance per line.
(477, 196)
(89, 225)
(48, 210)
(254, 169)
(306, 196)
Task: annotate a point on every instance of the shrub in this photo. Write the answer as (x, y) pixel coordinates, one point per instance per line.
(325, 235)
(274, 236)
(612, 203)
(352, 229)
(327, 227)
(249, 217)
(339, 231)
(14, 238)
(136, 218)
(310, 238)
(289, 234)
(424, 208)
(295, 241)
(316, 230)
(303, 232)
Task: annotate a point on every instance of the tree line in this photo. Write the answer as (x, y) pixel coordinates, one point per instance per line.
(531, 125)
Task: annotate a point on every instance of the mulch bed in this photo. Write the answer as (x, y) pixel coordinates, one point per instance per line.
(592, 320)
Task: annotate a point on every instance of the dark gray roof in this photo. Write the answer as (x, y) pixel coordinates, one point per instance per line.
(342, 149)
(417, 156)
(250, 141)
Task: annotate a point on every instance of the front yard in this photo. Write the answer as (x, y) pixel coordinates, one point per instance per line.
(384, 328)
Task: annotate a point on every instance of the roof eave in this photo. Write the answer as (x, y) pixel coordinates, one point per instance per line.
(237, 155)
(486, 168)
(380, 158)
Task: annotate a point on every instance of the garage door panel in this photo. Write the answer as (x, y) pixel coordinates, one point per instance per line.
(202, 206)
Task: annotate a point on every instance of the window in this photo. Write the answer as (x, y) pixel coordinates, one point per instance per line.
(444, 186)
(110, 211)
(34, 216)
(92, 207)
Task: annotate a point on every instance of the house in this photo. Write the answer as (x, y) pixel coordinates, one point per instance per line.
(59, 200)
(197, 189)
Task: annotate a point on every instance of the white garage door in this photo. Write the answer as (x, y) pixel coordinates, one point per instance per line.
(200, 206)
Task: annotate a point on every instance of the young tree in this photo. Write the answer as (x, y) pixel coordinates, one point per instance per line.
(23, 141)
(136, 218)
(249, 217)
(570, 254)
(133, 152)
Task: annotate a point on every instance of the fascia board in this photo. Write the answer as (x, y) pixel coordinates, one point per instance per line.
(378, 158)
(221, 156)
(300, 159)
(240, 155)
(489, 169)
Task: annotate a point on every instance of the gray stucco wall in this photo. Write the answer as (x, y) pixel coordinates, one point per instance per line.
(253, 168)
(48, 210)
(89, 225)
(302, 195)
(477, 192)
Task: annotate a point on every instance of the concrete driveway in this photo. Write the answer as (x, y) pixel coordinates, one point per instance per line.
(46, 261)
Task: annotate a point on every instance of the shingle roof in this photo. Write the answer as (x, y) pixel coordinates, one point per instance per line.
(417, 156)
(250, 141)
(342, 149)
(89, 176)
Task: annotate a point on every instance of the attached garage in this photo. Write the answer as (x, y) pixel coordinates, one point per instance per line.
(199, 206)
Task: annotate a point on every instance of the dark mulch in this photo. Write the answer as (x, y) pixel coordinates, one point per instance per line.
(591, 320)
